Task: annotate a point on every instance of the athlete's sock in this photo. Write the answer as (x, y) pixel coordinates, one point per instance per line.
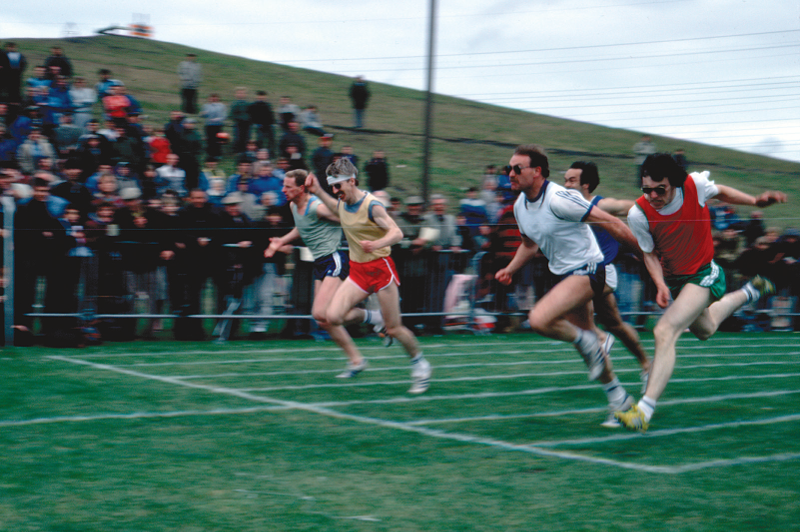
(647, 406)
(615, 392)
(751, 292)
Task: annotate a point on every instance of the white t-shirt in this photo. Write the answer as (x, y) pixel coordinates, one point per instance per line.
(554, 220)
(706, 189)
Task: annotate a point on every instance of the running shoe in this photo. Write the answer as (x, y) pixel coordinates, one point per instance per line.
(632, 419)
(611, 421)
(420, 376)
(351, 370)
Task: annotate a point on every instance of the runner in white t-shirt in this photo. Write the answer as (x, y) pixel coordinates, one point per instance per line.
(554, 219)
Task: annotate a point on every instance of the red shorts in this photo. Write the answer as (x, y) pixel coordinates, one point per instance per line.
(374, 275)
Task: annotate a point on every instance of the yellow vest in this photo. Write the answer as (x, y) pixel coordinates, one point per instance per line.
(357, 227)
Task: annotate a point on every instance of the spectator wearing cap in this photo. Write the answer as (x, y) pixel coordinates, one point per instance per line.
(144, 242)
(190, 74)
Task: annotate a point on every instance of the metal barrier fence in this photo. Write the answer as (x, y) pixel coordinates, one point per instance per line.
(110, 289)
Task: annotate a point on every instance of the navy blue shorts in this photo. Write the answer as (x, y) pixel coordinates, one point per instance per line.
(596, 274)
(333, 265)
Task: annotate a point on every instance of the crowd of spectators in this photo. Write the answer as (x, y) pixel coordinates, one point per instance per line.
(126, 213)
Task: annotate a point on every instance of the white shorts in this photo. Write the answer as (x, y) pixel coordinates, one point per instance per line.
(611, 277)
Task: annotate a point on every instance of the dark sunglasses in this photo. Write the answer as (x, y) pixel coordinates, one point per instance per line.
(659, 190)
(517, 169)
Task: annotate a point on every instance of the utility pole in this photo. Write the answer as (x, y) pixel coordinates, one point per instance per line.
(429, 103)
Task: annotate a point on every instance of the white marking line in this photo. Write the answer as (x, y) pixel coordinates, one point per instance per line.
(466, 438)
(557, 413)
(374, 369)
(573, 358)
(434, 433)
(558, 347)
(140, 415)
(669, 432)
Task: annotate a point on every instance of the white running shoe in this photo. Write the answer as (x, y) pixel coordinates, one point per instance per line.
(351, 370)
(611, 421)
(420, 376)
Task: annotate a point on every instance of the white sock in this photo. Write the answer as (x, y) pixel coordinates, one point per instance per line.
(647, 406)
(615, 392)
(369, 317)
(417, 358)
(751, 292)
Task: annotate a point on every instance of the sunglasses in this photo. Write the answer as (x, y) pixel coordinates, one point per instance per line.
(517, 169)
(659, 190)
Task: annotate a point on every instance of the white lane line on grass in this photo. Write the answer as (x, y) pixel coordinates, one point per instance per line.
(140, 415)
(671, 432)
(568, 353)
(466, 438)
(373, 369)
(690, 400)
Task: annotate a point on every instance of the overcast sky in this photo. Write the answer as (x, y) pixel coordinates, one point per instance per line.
(721, 72)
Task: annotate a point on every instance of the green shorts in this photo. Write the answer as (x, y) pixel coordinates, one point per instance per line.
(710, 276)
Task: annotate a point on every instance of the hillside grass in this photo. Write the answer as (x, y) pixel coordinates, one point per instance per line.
(467, 135)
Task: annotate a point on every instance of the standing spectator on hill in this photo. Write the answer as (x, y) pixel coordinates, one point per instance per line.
(377, 170)
(347, 153)
(641, 150)
(83, 98)
(57, 64)
(159, 147)
(288, 112)
(39, 78)
(359, 96)
(263, 119)
(13, 76)
(190, 74)
(117, 105)
(673, 227)
(240, 114)
(66, 136)
(215, 112)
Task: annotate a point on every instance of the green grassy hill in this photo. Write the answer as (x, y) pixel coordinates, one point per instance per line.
(468, 135)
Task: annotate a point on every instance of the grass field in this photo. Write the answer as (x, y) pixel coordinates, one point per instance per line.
(261, 436)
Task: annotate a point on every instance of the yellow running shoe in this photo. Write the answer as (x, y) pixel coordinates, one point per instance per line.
(632, 419)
